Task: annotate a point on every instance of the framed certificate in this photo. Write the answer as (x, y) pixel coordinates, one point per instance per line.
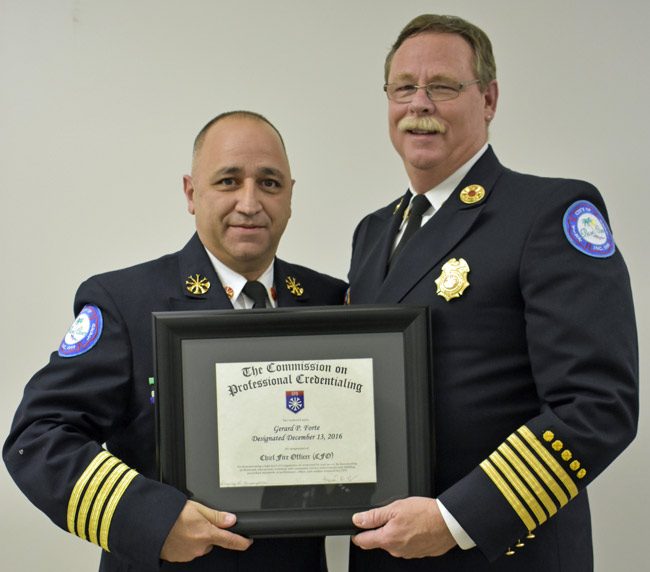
(295, 418)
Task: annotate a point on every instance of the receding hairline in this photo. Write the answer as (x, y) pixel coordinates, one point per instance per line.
(483, 56)
(244, 114)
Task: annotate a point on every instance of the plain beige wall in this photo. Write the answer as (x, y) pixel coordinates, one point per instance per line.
(100, 101)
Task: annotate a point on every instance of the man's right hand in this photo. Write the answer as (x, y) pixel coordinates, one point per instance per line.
(196, 530)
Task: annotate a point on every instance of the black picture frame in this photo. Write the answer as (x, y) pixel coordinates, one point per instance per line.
(397, 338)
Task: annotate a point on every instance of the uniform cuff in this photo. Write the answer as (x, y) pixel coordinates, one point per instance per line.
(461, 537)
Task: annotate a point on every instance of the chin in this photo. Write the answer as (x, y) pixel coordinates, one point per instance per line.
(424, 163)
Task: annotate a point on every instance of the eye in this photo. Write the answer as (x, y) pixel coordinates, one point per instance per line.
(226, 183)
(404, 88)
(442, 89)
(270, 184)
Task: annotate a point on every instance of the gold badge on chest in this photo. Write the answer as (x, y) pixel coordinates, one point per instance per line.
(452, 281)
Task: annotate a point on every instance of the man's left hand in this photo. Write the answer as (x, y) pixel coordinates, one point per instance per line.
(407, 528)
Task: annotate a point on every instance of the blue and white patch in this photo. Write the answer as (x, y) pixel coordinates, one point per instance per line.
(587, 230)
(294, 400)
(84, 332)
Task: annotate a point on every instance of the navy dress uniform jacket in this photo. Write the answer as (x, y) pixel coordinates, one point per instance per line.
(535, 366)
(75, 404)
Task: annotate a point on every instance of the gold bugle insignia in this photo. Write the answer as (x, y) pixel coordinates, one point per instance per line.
(407, 212)
(452, 281)
(398, 205)
(472, 194)
(293, 286)
(197, 285)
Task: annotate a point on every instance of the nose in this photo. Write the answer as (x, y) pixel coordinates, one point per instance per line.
(421, 104)
(248, 202)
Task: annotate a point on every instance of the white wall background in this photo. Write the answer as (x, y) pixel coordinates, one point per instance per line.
(100, 101)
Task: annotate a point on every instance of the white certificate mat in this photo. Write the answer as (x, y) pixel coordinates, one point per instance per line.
(306, 422)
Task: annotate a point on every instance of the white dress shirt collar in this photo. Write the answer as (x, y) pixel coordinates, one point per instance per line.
(440, 193)
(233, 283)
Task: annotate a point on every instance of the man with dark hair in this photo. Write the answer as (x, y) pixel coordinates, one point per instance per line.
(535, 358)
(95, 389)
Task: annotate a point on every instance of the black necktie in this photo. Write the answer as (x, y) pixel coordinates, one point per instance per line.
(256, 292)
(419, 205)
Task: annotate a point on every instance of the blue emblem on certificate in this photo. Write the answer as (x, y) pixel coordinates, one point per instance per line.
(295, 400)
(587, 231)
(84, 332)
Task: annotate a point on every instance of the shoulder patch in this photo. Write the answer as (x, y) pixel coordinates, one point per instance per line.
(84, 332)
(587, 231)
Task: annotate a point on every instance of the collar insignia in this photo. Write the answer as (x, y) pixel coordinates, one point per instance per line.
(293, 286)
(229, 292)
(398, 205)
(452, 281)
(472, 194)
(197, 285)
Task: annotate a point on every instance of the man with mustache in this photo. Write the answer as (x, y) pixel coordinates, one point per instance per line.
(95, 389)
(535, 358)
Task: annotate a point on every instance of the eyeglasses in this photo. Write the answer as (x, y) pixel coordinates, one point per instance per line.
(405, 92)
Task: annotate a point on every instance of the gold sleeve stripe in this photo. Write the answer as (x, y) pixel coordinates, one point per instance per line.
(509, 495)
(95, 497)
(90, 493)
(519, 486)
(79, 487)
(112, 505)
(530, 479)
(549, 460)
(100, 501)
(541, 471)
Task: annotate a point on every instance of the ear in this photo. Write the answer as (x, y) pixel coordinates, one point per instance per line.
(491, 95)
(188, 189)
(293, 182)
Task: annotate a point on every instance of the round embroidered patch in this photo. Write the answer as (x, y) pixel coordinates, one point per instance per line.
(587, 231)
(84, 332)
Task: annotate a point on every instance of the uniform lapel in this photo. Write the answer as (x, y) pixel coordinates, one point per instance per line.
(288, 285)
(372, 269)
(195, 266)
(441, 233)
